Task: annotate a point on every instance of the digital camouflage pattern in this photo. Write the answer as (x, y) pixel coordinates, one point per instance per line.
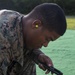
(11, 46)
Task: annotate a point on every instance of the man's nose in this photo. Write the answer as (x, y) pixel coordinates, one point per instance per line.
(45, 44)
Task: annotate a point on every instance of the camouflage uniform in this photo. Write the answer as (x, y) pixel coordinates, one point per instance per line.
(12, 47)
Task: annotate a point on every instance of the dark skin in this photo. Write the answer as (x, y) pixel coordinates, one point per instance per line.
(37, 36)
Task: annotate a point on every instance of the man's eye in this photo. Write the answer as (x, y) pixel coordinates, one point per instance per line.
(51, 39)
(47, 39)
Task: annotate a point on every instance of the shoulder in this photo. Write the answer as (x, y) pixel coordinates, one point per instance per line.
(5, 11)
(8, 14)
(8, 24)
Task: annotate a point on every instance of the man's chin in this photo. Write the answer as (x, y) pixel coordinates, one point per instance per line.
(37, 48)
(32, 48)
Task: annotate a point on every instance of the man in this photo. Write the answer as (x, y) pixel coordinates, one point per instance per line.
(21, 37)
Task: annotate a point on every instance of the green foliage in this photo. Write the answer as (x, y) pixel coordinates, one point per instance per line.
(25, 6)
(6, 4)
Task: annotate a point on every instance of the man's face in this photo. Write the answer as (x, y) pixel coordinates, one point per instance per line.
(40, 37)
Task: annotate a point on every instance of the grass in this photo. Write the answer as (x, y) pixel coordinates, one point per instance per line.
(62, 51)
(70, 22)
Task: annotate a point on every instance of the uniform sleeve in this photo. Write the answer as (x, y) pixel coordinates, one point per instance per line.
(35, 54)
(5, 54)
(4, 60)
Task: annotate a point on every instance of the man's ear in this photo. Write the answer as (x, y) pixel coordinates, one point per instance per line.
(36, 24)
